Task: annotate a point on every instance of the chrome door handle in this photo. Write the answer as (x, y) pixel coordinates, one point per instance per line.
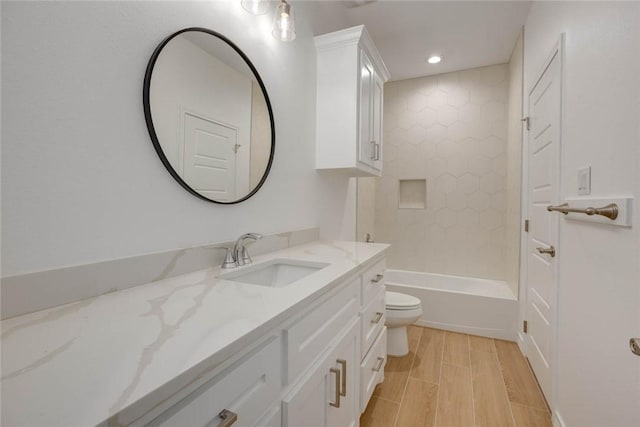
(227, 417)
(377, 150)
(550, 250)
(377, 278)
(378, 365)
(336, 402)
(378, 317)
(634, 343)
(373, 150)
(343, 386)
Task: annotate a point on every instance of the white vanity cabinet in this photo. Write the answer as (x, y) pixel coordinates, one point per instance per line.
(350, 80)
(317, 369)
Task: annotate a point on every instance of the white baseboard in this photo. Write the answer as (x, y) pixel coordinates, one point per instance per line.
(522, 343)
(502, 334)
(557, 420)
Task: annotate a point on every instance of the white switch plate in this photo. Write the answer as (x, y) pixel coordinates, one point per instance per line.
(584, 181)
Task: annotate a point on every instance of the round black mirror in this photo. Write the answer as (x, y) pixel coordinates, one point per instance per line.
(209, 116)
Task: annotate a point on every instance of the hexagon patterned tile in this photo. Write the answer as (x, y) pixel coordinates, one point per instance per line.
(451, 130)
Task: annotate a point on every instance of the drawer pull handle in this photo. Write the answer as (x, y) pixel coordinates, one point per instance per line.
(378, 317)
(228, 418)
(377, 278)
(343, 385)
(378, 365)
(336, 402)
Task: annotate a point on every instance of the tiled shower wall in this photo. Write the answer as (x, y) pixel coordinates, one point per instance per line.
(451, 130)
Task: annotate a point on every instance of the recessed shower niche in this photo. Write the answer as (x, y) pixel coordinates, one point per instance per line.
(412, 194)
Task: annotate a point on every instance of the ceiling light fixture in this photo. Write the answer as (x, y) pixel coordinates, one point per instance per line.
(284, 25)
(255, 7)
(434, 59)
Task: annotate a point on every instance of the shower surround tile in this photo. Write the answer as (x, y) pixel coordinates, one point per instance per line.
(449, 129)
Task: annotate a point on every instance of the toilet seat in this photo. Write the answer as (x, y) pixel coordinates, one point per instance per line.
(398, 301)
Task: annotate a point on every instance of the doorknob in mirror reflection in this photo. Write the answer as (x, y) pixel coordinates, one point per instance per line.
(209, 116)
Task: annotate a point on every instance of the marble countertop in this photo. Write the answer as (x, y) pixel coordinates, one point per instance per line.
(107, 360)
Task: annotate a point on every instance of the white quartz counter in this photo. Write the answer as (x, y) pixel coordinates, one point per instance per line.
(108, 359)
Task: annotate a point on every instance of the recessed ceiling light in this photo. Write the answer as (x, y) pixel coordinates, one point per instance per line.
(434, 59)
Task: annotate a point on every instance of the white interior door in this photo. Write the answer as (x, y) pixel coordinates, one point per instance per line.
(543, 190)
(209, 160)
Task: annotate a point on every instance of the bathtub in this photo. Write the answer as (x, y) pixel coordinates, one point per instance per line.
(461, 304)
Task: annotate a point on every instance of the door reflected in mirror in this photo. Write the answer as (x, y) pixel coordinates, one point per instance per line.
(209, 116)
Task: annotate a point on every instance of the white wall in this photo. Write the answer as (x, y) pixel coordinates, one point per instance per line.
(596, 376)
(80, 179)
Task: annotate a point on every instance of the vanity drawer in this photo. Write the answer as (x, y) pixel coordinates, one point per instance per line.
(372, 368)
(373, 318)
(248, 388)
(372, 281)
(310, 335)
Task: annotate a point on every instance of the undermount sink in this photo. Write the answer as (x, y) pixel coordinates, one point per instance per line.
(276, 273)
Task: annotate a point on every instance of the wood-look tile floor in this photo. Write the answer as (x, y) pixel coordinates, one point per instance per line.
(457, 380)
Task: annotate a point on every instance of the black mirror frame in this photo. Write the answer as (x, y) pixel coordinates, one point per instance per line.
(152, 132)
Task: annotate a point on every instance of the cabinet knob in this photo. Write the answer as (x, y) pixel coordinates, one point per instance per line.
(378, 365)
(378, 317)
(375, 154)
(336, 401)
(227, 418)
(377, 278)
(343, 386)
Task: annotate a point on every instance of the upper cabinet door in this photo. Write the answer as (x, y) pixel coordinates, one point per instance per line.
(376, 122)
(367, 143)
(351, 75)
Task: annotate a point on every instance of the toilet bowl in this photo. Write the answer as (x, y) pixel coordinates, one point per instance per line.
(401, 310)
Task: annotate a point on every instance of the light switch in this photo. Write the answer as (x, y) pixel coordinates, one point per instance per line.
(584, 181)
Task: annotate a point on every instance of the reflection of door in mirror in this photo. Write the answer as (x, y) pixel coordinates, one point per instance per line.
(191, 84)
(209, 161)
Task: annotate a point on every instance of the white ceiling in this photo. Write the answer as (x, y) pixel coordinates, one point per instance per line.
(466, 34)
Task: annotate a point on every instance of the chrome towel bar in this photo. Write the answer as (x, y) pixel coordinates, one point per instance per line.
(610, 211)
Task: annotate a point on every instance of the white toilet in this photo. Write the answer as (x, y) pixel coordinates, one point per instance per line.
(401, 310)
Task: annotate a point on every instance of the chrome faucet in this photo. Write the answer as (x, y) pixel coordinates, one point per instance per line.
(239, 255)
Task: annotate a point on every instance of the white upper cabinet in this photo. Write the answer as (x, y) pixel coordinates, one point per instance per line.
(351, 76)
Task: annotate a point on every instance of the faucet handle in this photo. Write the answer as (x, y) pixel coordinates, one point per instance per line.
(244, 256)
(229, 260)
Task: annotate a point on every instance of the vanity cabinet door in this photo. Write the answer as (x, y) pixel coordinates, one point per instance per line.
(328, 394)
(346, 361)
(306, 405)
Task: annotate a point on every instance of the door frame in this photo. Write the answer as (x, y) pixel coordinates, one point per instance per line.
(558, 50)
